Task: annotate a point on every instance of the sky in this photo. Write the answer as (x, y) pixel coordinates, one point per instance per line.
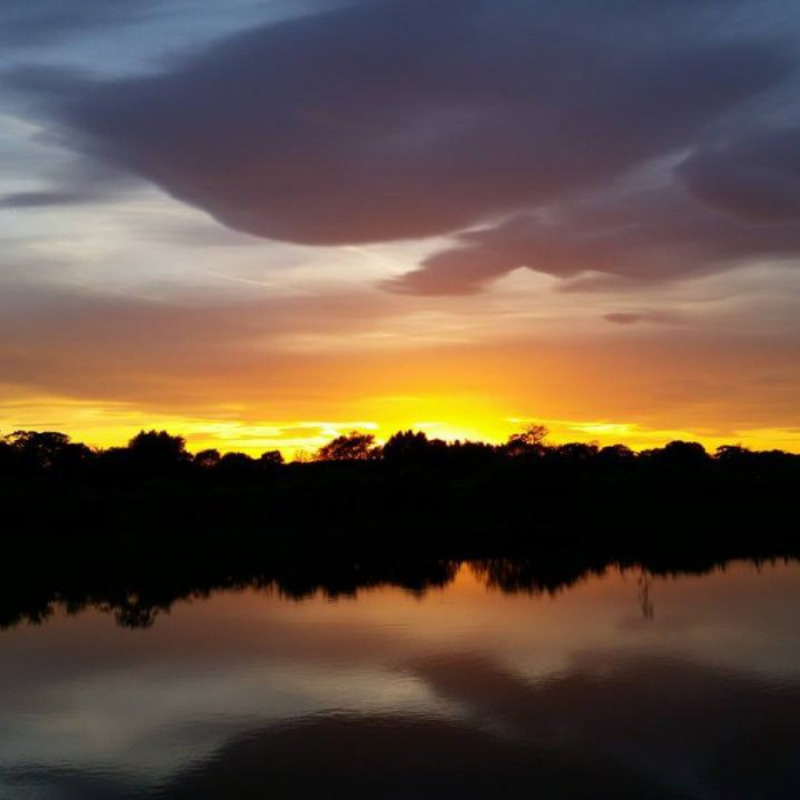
(263, 223)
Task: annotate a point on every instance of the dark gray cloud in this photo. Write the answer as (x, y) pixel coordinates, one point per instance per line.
(649, 234)
(394, 119)
(755, 177)
(27, 22)
(20, 200)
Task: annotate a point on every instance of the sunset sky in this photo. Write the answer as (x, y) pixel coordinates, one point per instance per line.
(260, 223)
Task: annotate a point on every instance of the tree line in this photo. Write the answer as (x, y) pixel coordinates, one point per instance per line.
(414, 495)
(153, 453)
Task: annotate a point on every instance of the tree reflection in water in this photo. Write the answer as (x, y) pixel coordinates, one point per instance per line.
(135, 597)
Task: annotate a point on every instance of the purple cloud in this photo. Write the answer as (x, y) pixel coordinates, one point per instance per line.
(394, 119)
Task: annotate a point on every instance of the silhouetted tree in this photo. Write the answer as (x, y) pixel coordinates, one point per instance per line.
(680, 455)
(47, 450)
(616, 454)
(577, 451)
(686, 451)
(728, 453)
(157, 452)
(353, 446)
(271, 458)
(528, 442)
(236, 466)
(207, 458)
(8, 456)
(406, 447)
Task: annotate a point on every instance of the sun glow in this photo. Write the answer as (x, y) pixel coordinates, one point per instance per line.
(228, 428)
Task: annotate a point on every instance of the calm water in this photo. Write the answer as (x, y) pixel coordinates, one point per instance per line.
(622, 686)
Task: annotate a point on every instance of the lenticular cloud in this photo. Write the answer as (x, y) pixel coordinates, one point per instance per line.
(518, 127)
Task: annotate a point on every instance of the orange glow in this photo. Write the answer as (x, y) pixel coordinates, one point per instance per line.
(468, 418)
(642, 393)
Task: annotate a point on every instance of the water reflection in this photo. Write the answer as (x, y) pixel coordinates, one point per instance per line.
(137, 598)
(493, 682)
(632, 728)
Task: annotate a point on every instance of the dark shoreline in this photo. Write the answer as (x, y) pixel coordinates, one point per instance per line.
(134, 529)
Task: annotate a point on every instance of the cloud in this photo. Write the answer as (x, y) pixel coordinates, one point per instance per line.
(65, 341)
(220, 354)
(20, 200)
(634, 317)
(627, 235)
(392, 119)
(30, 22)
(755, 178)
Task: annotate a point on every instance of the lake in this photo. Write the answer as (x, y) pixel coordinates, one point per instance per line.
(621, 684)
